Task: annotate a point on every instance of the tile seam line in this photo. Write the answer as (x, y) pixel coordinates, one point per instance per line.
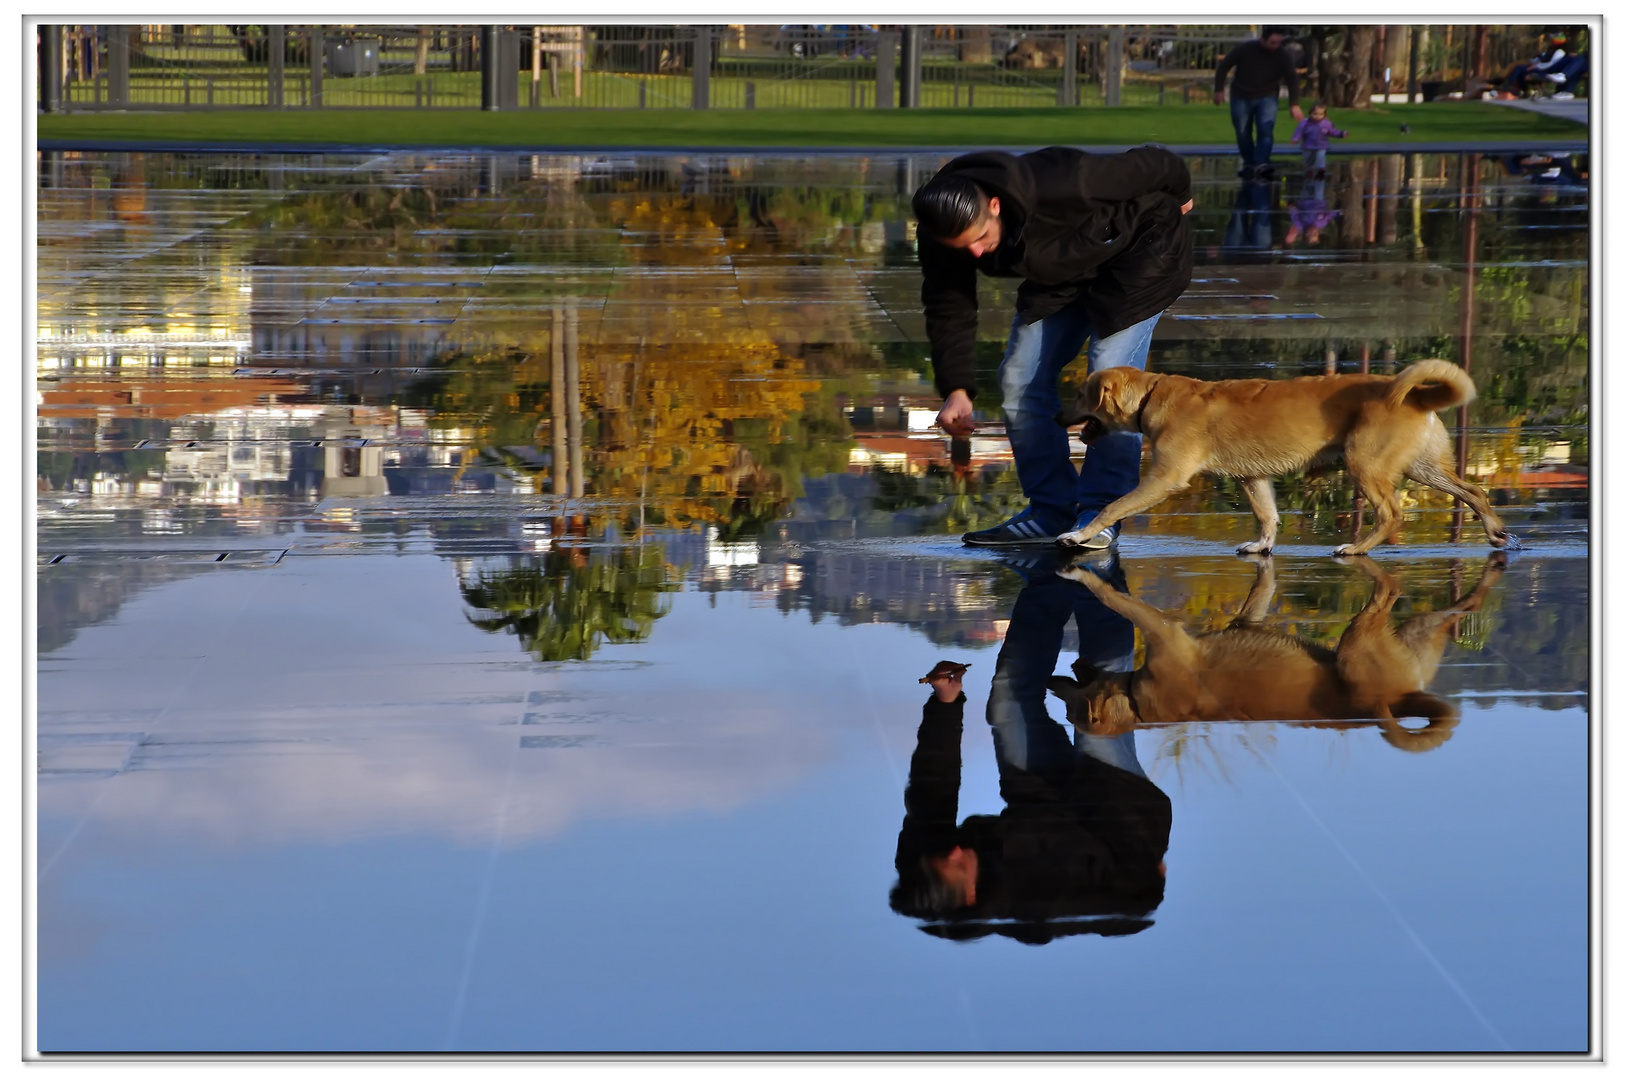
(1385, 900)
(1196, 149)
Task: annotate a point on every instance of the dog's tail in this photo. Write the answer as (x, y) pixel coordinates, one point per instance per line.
(1430, 386)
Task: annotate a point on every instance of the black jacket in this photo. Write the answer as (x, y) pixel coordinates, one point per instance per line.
(1104, 229)
(1260, 71)
(1084, 842)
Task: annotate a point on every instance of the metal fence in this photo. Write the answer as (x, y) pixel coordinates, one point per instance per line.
(155, 67)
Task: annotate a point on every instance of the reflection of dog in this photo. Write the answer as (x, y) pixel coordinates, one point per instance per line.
(1377, 672)
(1385, 427)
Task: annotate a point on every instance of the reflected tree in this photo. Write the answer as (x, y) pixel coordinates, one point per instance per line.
(568, 603)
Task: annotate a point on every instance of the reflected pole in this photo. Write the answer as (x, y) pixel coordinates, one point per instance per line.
(556, 403)
(573, 403)
(1363, 358)
(1472, 198)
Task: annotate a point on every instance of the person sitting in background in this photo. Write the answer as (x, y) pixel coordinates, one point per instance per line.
(1550, 55)
(1566, 77)
(1313, 134)
(1263, 65)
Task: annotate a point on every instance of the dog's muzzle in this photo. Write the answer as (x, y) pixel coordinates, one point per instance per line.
(1091, 430)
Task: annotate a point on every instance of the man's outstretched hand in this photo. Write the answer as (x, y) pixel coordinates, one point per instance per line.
(956, 415)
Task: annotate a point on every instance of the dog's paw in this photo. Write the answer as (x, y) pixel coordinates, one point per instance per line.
(1505, 541)
(1073, 538)
(1345, 550)
(1254, 547)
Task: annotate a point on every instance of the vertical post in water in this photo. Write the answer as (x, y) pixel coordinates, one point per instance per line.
(50, 68)
(701, 69)
(1331, 359)
(910, 67)
(561, 462)
(314, 99)
(1471, 204)
(1116, 64)
(274, 67)
(118, 65)
(1068, 90)
(573, 403)
(887, 55)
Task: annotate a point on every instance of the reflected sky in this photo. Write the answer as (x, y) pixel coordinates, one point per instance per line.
(482, 601)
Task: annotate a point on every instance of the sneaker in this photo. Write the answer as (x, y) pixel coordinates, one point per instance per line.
(1563, 96)
(1104, 564)
(1025, 528)
(1104, 540)
(1263, 172)
(1247, 172)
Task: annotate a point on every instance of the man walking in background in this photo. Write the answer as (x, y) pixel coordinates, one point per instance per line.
(1259, 68)
(1103, 245)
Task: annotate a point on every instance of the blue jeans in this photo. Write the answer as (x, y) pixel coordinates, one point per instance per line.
(1262, 113)
(1250, 225)
(1314, 159)
(1036, 355)
(1026, 737)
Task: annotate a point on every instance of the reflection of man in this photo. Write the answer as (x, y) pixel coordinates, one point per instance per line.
(1250, 226)
(1084, 831)
(1102, 245)
(1259, 68)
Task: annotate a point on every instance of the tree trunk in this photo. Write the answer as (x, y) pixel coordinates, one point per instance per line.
(1359, 65)
(421, 55)
(1331, 64)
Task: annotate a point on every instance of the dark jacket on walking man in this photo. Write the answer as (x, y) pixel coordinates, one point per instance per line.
(1103, 247)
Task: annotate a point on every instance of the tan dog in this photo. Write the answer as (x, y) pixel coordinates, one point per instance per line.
(1385, 427)
(1377, 672)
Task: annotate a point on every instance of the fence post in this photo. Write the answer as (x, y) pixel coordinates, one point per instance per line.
(1413, 64)
(274, 66)
(314, 100)
(910, 68)
(1116, 64)
(887, 55)
(488, 67)
(1067, 91)
(50, 68)
(701, 69)
(508, 68)
(118, 65)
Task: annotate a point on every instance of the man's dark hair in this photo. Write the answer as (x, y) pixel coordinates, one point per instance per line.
(1285, 32)
(948, 205)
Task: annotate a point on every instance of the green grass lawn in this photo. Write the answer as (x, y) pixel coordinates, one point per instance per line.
(1170, 124)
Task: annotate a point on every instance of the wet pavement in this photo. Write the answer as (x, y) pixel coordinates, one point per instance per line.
(482, 601)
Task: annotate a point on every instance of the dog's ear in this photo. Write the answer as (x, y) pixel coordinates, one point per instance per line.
(1127, 391)
(1113, 715)
(1063, 686)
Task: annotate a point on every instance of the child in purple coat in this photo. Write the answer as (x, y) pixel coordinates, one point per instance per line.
(1313, 134)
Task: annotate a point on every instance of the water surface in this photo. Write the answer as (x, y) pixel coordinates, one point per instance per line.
(482, 598)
